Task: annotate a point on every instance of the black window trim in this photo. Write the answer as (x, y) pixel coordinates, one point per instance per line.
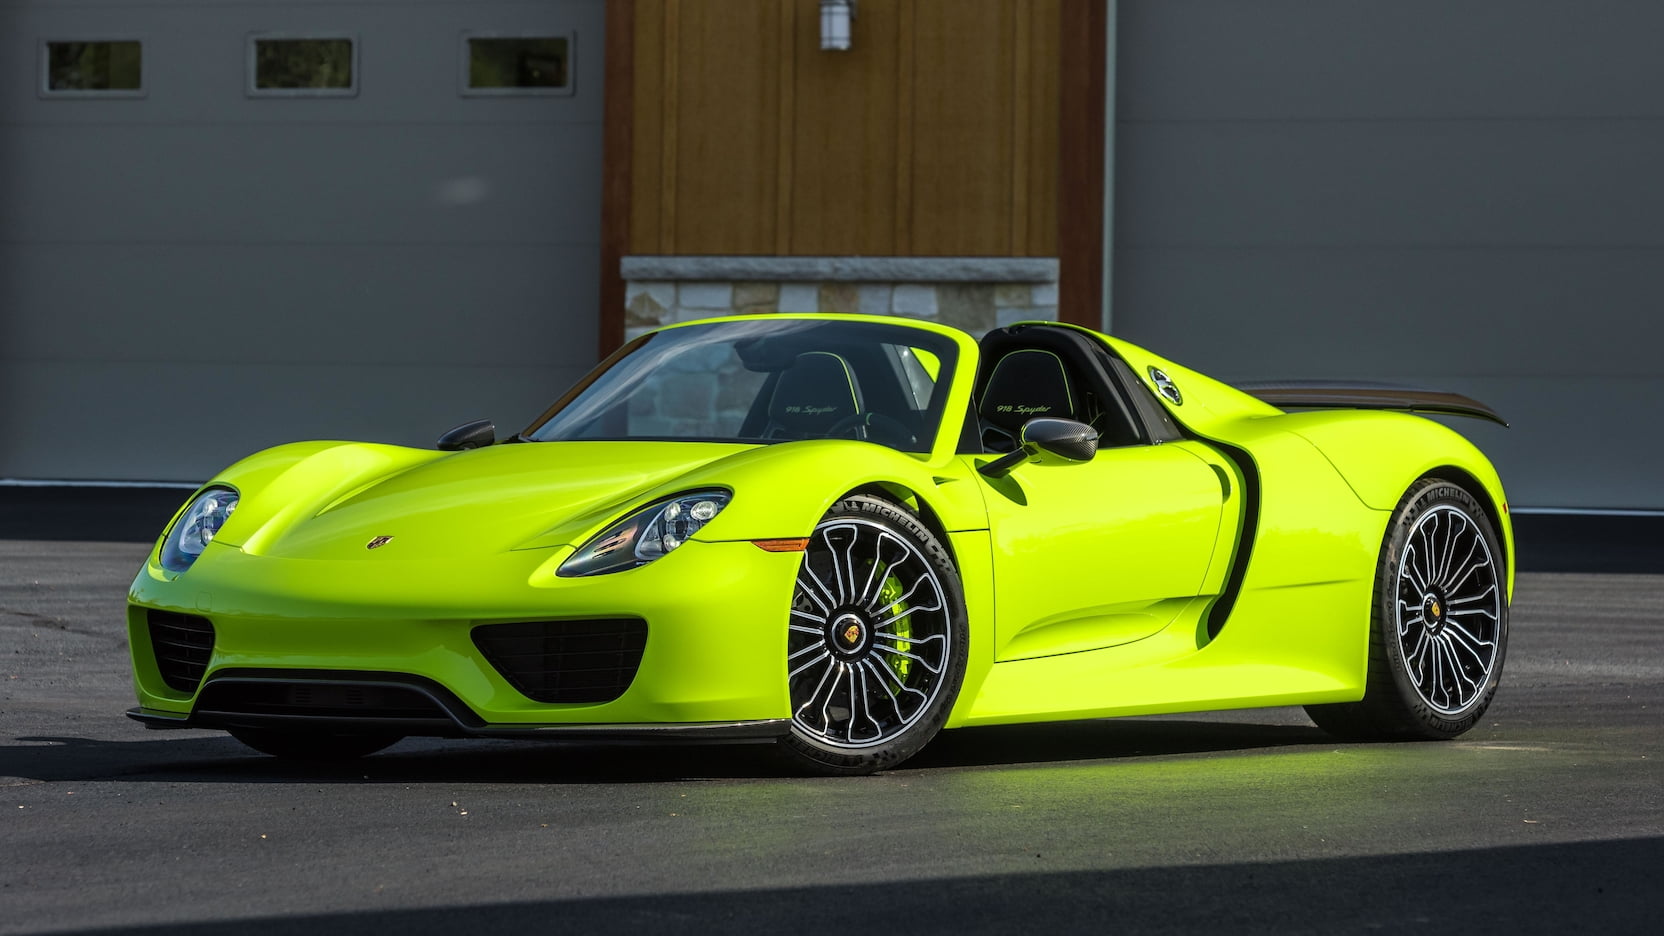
(252, 64)
(43, 69)
(464, 62)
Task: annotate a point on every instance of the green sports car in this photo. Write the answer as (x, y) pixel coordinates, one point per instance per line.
(838, 535)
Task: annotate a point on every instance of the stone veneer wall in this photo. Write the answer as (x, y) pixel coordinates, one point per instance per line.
(975, 294)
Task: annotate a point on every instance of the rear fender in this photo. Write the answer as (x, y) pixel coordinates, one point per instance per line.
(1380, 454)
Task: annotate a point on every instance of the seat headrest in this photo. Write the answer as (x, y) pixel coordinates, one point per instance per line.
(1026, 384)
(812, 394)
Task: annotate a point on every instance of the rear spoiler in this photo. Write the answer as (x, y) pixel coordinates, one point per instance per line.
(1359, 395)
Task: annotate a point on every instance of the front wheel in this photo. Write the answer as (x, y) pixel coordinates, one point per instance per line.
(1439, 627)
(313, 745)
(876, 646)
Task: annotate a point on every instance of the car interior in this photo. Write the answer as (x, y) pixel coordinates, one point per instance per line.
(1030, 371)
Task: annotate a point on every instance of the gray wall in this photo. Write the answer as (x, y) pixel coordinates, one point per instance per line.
(1463, 194)
(197, 274)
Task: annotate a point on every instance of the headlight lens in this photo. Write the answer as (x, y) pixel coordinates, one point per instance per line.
(195, 528)
(646, 534)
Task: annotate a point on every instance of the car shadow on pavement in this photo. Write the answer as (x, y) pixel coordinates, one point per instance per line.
(212, 757)
(1590, 887)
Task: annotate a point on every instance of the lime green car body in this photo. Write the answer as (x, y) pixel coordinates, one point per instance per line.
(1232, 567)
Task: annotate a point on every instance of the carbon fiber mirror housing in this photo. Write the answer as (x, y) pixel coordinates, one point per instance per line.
(470, 435)
(1065, 440)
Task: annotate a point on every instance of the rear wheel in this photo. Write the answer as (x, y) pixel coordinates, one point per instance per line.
(1439, 627)
(876, 647)
(313, 745)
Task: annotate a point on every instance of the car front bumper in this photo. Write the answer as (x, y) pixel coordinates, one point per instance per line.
(713, 666)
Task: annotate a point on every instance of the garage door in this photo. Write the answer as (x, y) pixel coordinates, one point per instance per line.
(235, 224)
(1462, 196)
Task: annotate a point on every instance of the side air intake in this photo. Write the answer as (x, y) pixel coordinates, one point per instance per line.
(183, 643)
(566, 661)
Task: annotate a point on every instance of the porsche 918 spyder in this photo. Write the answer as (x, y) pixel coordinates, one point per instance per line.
(838, 535)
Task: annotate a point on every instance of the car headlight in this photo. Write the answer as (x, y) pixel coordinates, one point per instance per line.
(645, 535)
(195, 528)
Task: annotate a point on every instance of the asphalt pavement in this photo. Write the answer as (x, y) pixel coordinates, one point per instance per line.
(1549, 817)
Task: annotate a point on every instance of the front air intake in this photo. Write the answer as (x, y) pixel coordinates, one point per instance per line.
(182, 644)
(566, 661)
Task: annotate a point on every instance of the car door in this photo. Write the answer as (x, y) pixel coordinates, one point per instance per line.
(1100, 553)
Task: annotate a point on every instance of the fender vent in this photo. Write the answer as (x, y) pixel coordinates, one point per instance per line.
(566, 661)
(183, 644)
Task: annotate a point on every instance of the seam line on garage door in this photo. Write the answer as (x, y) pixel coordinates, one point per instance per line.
(31, 482)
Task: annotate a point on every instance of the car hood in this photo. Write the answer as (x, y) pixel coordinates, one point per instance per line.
(470, 503)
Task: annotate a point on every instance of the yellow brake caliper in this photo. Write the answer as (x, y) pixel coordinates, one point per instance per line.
(901, 627)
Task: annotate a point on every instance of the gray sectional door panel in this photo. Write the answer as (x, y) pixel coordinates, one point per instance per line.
(197, 273)
(1464, 196)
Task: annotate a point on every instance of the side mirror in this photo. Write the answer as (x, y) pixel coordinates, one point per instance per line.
(469, 435)
(1063, 439)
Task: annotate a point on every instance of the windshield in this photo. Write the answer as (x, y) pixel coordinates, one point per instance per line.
(765, 380)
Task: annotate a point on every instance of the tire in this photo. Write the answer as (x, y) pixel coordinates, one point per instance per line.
(313, 745)
(877, 640)
(1439, 624)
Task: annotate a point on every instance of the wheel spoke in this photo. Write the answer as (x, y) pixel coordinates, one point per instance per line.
(1474, 642)
(1414, 656)
(925, 576)
(884, 683)
(825, 713)
(1459, 670)
(849, 568)
(805, 629)
(904, 613)
(818, 686)
(1425, 553)
(824, 655)
(900, 683)
(816, 590)
(914, 657)
(837, 570)
(1469, 574)
(813, 617)
(1436, 654)
(866, 709)
(1481, 612)
(1489, 589)
(1410, 569)
(1449, 551)
(1459, 645)
(872, 573)
(1456, 567)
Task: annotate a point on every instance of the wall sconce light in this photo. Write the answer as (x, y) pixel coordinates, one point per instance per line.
(836, 20)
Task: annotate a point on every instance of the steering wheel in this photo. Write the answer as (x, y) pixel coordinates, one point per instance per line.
(874, 427)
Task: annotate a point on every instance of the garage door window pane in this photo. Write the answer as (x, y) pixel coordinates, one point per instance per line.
(518, 64)
(303, 66)
(93, 67)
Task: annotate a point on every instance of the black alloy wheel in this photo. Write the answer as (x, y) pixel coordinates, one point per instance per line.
(1439, 625)
(876, 644)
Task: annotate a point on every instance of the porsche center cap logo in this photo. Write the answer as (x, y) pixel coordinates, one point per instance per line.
(852, 634)
(1436, 609)
(378, 542)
